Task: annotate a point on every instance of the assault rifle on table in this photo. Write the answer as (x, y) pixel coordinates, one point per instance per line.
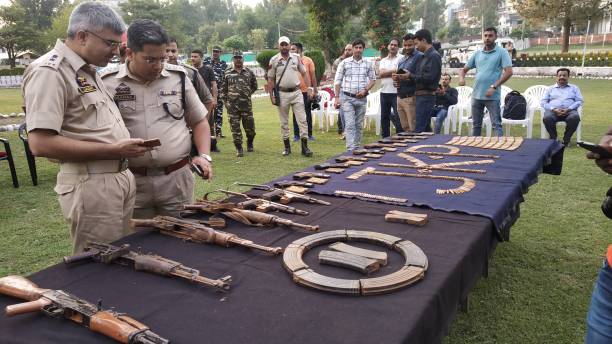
(58, 303)
(106, 253)
(194, 232)
(247, 217)
(308, 175)
(263, 205)
(284, 196)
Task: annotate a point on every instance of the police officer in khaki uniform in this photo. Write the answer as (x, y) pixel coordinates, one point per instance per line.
(72, 118)
(288, 80)
(157, 100)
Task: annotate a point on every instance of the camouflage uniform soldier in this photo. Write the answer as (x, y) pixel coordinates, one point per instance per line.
(219, 66)
(238, 85)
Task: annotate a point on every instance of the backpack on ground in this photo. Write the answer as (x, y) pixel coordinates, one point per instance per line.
(515, 106)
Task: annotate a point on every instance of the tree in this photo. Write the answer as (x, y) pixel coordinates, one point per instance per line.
(442, 33)
(327, 20)
(567, 10)
(258, 38)
(15, 33)
(234, 42)
(455, 31)
(431, 11)
(59, 26)
(386, 19)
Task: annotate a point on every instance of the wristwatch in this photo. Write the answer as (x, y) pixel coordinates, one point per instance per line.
(206, 156)
(493, 86)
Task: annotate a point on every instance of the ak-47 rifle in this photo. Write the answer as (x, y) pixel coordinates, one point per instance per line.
(194, 232)
(248, 217)
(58, 303)
(326, 165)
(106, 253)
(284, 196)
(263, 205)
(287, 183)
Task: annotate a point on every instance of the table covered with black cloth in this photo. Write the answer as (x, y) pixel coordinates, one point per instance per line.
(264, 305)
(497, 193)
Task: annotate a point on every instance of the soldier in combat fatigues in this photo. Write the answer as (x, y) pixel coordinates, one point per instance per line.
(239, 84)
(219, 66)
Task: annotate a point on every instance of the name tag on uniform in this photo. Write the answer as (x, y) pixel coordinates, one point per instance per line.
(168, 93)
(84, 86)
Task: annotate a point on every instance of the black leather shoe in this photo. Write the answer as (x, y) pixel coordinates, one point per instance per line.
(287, 144)
(305, 150)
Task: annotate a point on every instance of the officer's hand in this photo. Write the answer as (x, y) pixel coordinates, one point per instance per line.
(213, 103)
(273, 99)
(490, 92)
(603, 163)
(205, 166)
(461, 81)
(130, 148)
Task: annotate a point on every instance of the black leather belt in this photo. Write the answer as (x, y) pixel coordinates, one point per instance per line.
(354, 95)
(287, 90)
(404, 96)
(148, 171)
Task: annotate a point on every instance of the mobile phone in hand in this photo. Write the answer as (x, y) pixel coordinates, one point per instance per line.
(151, 143)
(595, 148)
(195, 168)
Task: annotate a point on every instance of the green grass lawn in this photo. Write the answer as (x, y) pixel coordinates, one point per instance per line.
(10, 100)
(539, 283)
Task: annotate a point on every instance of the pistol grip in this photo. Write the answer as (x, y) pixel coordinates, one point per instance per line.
(27, 307)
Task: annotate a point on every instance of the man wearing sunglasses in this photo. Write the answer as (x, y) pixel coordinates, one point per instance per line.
(72, 119)
(157, 100)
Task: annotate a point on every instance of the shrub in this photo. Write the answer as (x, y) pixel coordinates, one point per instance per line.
(263, 58)
(12, 71)
(592, 59)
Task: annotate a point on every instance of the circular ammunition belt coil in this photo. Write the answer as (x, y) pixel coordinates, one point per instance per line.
(412, 271)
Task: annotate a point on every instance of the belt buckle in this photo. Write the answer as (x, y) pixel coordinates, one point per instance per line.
(123, 164)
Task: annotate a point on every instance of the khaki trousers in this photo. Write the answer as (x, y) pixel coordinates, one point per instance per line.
(406, 109)
(296, 101)
(164, 194)
(97, 206)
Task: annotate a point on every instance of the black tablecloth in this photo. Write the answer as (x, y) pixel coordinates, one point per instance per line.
(497, 193)
(264, 304)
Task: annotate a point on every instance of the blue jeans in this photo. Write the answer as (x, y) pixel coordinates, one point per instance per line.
(599, 318)
(354, 113)
(478, 106)
(440, 114)
(388, 102)
(424, 105)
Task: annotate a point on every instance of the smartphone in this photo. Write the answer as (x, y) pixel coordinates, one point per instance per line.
(195, 168)
(595, 148)
(151, 143)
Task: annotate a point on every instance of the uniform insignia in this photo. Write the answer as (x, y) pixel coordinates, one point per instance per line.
(168, 93)
(53, 57)
(84, 86)
(123, 93)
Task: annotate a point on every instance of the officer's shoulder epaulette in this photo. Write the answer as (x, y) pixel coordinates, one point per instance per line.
(175, 68)
(52, 59)
(109, 71)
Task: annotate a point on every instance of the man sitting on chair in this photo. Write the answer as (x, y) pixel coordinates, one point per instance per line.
(445, 97)
(561, 102)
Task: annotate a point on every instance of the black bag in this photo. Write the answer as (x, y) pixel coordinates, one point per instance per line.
(515, 106)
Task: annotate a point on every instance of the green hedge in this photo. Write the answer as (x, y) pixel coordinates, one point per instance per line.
(12, 71)
(263, 58)
(319, 62)
(574, 59)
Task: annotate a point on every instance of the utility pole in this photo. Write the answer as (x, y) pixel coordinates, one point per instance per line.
(585, 41)
(278, 26)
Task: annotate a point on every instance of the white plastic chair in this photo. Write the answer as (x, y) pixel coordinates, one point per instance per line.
(527, 122)
(544, 133)
(535, 93)
(321, 114)
(373, 111)
(463, 106)
(464, 113)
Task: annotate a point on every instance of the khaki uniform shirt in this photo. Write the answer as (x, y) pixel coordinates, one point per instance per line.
(63, 93)
(291, 78)
(142, 107)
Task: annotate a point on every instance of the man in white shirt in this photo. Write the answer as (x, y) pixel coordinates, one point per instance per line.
(388, 92)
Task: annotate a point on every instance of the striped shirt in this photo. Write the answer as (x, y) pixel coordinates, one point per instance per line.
(353, 76)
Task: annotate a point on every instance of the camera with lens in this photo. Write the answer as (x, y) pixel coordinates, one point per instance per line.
(606, 206)
(314, 103)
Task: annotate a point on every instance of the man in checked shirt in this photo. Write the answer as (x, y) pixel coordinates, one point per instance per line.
(357, 77)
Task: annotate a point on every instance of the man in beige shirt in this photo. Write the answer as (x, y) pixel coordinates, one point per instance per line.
(72, 118)
(157, 100)
(285, 69)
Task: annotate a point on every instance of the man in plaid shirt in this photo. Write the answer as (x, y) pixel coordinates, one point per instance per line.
(357, 77)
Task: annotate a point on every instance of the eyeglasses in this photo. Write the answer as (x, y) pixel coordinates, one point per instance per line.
(110, 43)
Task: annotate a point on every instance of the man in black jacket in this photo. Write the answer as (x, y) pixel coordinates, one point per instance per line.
(426, 76)
(445, 97)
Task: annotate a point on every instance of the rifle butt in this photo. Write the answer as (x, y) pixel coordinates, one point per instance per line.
(20, 287)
